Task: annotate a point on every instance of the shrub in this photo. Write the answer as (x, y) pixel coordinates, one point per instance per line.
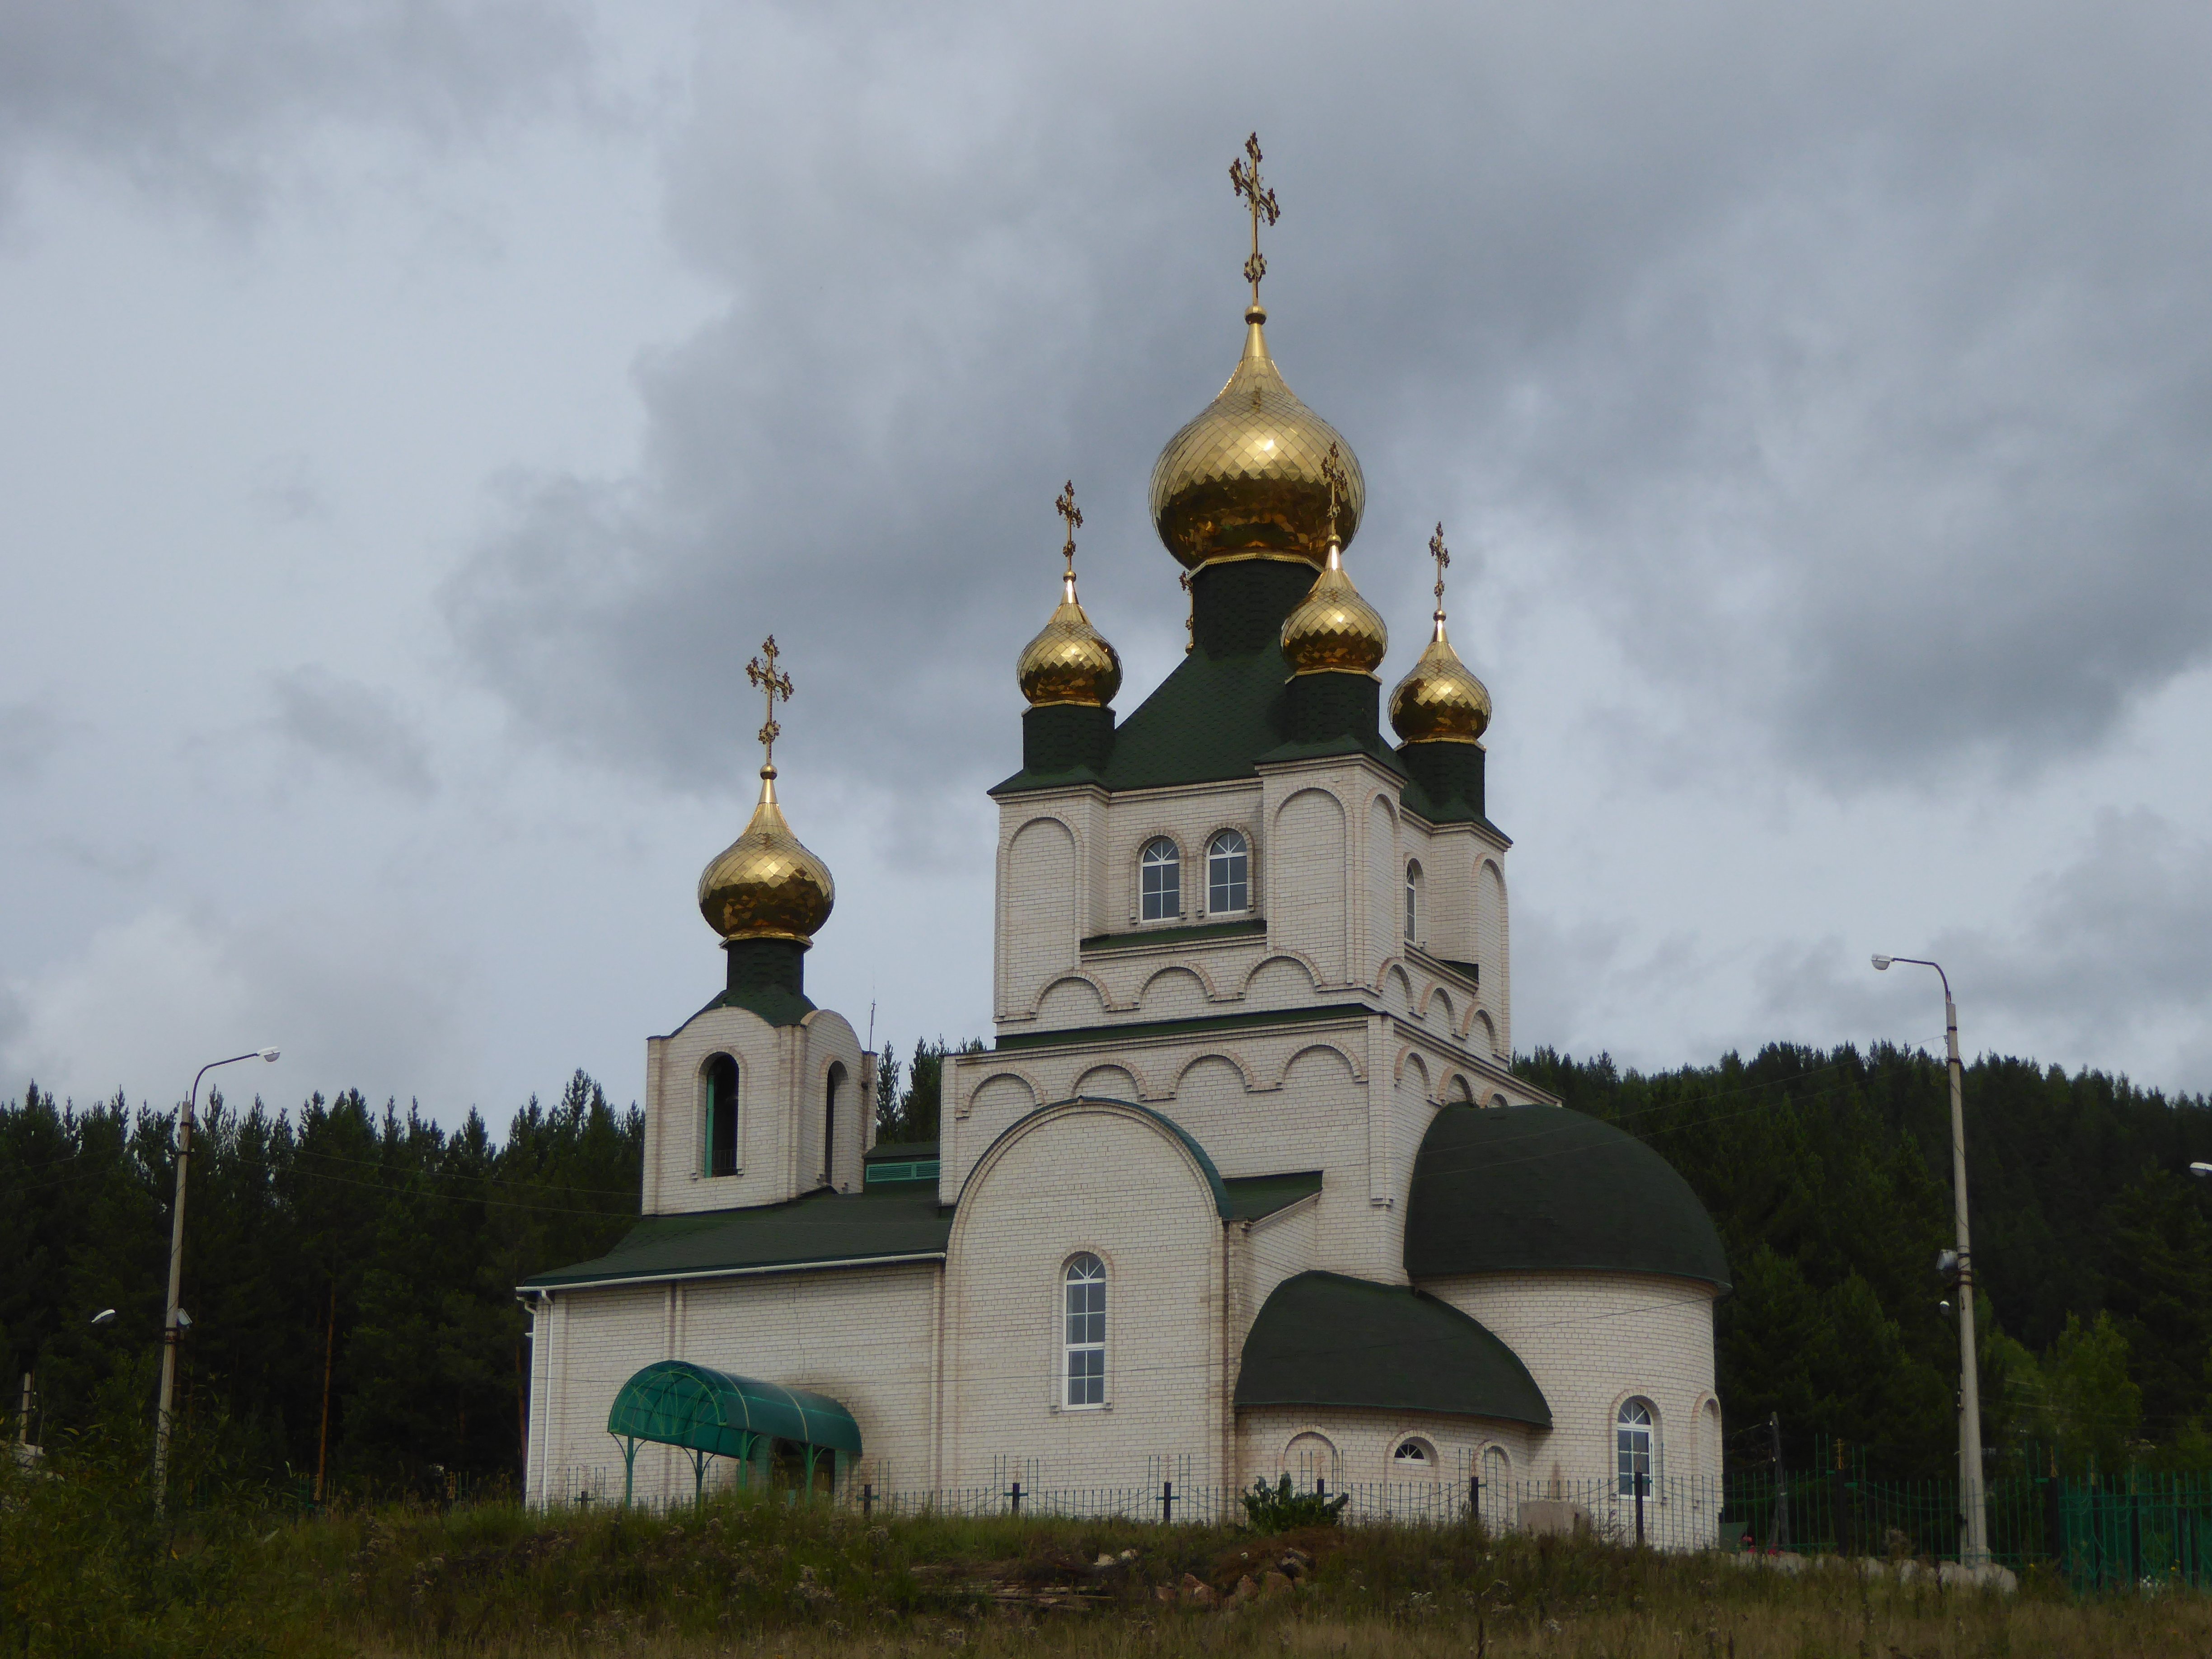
(1278, 1509)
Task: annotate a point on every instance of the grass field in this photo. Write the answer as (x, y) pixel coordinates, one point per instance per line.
(87, 1568)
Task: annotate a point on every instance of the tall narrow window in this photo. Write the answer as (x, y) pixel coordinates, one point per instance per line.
(1228, 874)
(721, 1116)
(1086, 1331)
(830, 1126)
(1631, 1440)
(1160, 869)
(1414, 902)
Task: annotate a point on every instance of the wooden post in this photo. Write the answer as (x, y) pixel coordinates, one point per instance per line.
(330, 1348)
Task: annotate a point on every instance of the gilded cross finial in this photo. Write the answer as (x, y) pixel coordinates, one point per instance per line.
(1066, 508)
(1441, 555)
(1340, 486)
(773, 685)
(1244, 176)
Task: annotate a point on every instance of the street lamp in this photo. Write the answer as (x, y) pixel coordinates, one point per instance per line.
(175, 1323)
(1972, 1497)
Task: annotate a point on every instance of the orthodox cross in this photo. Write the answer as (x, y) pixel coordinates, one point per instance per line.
(1441, 555)
(1066, 508)
(775, 685)
(1245, 177)
(1332, 474)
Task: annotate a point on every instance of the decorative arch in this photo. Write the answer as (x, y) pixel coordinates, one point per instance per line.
(1396, 971)
(1458, 1089)
(1170, 974)
(1236, 1063)
(1481, 1031)
(1352, 1066)
(1067, 982)
(1436, 994)
(1412, 1457)
(1310, 1455)
(1004, 1074)
(1409, 1059)
(1297, 959)
(1115, 1082)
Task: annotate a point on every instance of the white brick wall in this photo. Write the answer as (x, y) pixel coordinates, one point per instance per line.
(1112, 1182)
(1593, 1341)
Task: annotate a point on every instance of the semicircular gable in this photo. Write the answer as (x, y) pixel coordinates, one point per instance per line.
(1395, 978)
(1481, 1031)
(1000, 1092)
(1199, 1160)
(1289, 974)
(1410, 1061)
(1437, 997)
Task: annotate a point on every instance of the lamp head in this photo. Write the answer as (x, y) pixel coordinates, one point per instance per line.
(184, 1319)
(270, 1053)
(1881, 963)
(105, 1315)
(2201, 1168)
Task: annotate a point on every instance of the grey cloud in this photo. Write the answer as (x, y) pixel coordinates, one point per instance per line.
(30, 735)
(191, 98)
(1853, 363)
(353, 724)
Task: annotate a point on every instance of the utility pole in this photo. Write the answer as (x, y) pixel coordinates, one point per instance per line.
(330, 1349)
(1973, 1503)
(172, 1325)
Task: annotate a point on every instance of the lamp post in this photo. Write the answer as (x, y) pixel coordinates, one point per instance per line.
(1972, 1497)
(173, 1322)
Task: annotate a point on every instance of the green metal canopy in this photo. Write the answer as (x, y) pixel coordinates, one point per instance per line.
(677, 1403)
(711, 1414)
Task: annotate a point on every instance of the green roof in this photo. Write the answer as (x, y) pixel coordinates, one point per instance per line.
(1326, 1340)
(903, 1220)
(1514, 1188)
(1251, 1197)
(673, 1403)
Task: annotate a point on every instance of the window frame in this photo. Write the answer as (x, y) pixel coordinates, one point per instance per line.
(1414, 902)
(1070, 1347)
(1171, 890)
(1626, 1430)
(1242, 883)
(1424, 1458)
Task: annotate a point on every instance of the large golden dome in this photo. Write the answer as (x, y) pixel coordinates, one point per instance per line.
(1244, 478)
(1333, 629)
(765, 885)
(1440, 701)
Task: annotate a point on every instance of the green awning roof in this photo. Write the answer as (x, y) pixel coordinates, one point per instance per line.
(1326, 1340)
(674, 1402)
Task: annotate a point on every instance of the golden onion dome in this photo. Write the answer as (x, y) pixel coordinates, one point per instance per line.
(1333, 629)
(1440, 701)
(765, 885)
(1069, 660)
(1244, 478)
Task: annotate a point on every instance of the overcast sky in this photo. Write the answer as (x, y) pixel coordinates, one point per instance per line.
(411, 418)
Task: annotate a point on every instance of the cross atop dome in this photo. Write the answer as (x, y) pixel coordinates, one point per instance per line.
(1244, 178)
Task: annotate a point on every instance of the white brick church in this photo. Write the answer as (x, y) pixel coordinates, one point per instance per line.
(1245, 1186)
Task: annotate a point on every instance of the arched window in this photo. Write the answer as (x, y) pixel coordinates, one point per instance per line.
(1634, 1439)
(721, 1116)
(830, 1126)
(1414, 1459)
(1085, 1290)
(1412, 901)
(1160, 867)
(1228, 874)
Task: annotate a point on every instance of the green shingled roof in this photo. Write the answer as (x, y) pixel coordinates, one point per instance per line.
(905, 1221)
(1512, 1188)
(1326, 1340)
(1251, 1197)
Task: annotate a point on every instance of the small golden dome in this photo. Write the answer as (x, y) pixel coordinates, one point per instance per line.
(1440, 701)
(1244, 478)
(765, 885)
(1069, 661)
(1333, 629)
